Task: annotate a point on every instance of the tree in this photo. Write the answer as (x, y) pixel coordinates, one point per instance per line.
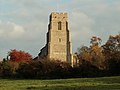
(5, 69)
(92, 54)
(112, 47)
(111, 51)
(1, 68)
(98, 57)
(19, 56)
(95, 41)
(84, 54)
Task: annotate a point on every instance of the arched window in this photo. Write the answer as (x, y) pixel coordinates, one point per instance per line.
(59, 25)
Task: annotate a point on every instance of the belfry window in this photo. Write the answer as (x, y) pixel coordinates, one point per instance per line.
(59, 25)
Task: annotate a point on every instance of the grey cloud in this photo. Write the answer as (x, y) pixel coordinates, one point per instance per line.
(86, 18)
(10, 30)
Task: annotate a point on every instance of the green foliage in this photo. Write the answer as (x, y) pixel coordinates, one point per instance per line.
(5, 69)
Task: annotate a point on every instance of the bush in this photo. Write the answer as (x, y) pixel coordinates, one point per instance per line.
(86, 69)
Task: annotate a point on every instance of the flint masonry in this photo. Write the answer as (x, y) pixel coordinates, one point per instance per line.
(58, 46)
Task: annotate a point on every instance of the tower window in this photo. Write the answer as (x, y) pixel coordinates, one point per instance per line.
(60, 39)
(59, 25)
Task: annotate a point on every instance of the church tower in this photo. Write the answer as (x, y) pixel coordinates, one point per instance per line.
(58, 45)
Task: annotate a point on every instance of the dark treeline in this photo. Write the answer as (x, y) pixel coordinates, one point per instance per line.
(94, 61)
(42, 69)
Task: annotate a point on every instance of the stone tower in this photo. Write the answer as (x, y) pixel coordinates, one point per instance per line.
(58, 45)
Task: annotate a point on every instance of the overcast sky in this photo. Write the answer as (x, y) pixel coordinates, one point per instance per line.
(23, 23)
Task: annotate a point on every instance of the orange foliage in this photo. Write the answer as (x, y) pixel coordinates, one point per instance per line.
(19, 56)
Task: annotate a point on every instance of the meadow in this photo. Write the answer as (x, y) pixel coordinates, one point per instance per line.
(102, 83)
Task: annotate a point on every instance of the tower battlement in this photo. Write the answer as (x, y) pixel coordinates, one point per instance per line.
(59, 16)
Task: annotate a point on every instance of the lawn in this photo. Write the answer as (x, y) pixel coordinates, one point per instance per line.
(103, 83)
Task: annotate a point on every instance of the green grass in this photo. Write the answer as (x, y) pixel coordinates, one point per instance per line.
(104, 83)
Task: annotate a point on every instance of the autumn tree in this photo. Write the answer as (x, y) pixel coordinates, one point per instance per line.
(19, 56)
(112, 53)
(84, 54)
(92, 54)
(98, 57)
(112, 47)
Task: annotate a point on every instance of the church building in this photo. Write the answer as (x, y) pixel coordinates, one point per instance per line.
(58, 44)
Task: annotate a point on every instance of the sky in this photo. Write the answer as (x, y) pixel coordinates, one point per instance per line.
(23, 23)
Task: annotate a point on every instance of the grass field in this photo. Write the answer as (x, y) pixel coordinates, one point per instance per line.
(104, 83)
